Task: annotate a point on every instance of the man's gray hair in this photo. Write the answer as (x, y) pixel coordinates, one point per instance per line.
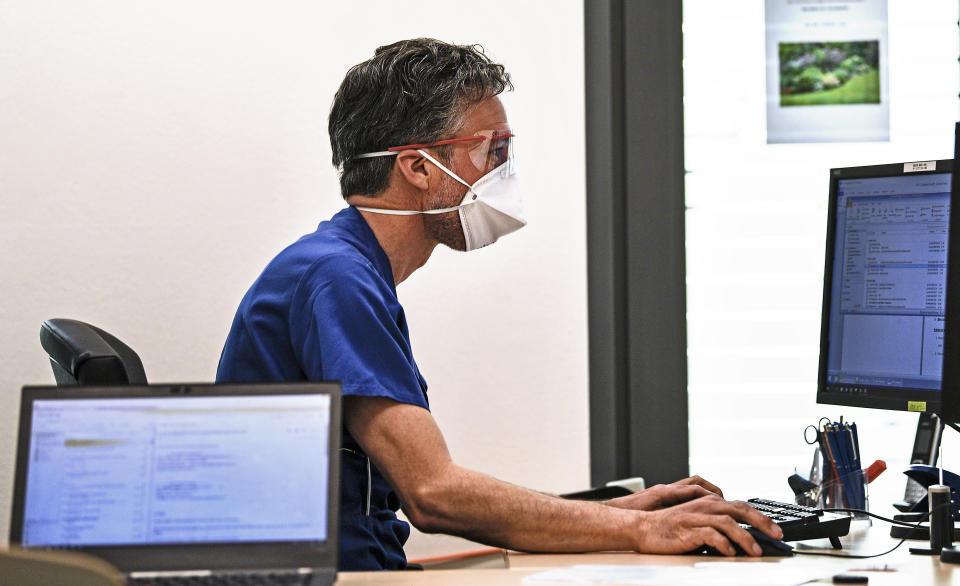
(410, 92)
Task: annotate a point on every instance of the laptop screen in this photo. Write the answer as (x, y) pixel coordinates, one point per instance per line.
(177, 469)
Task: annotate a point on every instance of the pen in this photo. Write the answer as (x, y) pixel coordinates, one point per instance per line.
(839, 451)
(858, 472)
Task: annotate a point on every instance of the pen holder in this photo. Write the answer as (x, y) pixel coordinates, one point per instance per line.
(845, 492)
(833, 490)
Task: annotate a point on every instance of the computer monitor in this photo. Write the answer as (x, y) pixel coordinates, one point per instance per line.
(884, 290)
(950, 406)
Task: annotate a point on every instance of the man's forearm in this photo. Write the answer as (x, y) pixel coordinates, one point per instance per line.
(438, 496)
(484, 509)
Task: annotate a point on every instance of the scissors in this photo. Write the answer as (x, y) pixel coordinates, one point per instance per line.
(816, 431)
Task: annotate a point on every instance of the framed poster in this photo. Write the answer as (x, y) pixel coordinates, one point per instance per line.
(827, 72)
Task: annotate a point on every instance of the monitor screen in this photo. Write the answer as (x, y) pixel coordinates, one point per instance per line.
(885, 286)
(171, 469)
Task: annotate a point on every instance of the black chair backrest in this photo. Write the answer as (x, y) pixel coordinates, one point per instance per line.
(82, 354)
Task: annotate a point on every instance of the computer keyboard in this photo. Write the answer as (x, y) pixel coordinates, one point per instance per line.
(800, 523)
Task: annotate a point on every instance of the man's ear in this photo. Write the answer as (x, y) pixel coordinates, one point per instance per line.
(413, 169)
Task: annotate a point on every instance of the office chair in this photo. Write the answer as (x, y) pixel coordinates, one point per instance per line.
(82, 354)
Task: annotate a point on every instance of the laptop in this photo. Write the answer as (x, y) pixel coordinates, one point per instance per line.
(202, 481)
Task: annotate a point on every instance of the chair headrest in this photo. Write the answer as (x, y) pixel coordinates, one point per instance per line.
(89, 354)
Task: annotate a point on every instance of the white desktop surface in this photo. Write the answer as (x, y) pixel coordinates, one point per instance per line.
(903, 568)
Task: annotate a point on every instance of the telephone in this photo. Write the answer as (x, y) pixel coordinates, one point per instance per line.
(925, 444)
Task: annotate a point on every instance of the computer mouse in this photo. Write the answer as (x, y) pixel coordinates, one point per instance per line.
(769, 545)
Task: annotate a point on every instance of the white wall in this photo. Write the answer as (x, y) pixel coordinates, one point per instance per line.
(756, 226)
(154, 156)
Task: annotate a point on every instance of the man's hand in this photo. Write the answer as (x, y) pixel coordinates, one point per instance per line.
(666, 495)
(709, 520)
(696, 480)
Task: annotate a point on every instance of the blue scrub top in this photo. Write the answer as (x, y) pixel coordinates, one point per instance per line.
(326, 308)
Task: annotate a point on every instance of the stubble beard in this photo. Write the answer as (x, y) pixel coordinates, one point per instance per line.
(446, 228)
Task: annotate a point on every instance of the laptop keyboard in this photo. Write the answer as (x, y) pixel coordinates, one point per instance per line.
(237, 579)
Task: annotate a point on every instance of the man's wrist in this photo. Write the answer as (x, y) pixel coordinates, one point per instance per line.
(631, 527)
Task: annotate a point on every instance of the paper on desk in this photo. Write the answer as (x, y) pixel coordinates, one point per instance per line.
(714, 573)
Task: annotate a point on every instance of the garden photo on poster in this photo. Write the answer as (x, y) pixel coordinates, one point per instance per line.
(829, 73)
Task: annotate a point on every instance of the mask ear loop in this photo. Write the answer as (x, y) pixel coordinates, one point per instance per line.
(411, 212)
(367, 156)
(450, 173)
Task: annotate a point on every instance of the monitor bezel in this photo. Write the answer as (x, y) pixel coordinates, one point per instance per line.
(950, 383)
(904, 399)
(211, 556)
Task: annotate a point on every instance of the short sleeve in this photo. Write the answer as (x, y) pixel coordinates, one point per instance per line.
(347, 325)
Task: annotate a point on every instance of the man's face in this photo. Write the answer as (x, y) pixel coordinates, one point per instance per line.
(487, 115)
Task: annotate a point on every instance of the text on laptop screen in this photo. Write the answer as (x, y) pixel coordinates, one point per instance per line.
(889, 283)
(214, 469)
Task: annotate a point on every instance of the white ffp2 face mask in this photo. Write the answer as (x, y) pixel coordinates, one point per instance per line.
(491, 208)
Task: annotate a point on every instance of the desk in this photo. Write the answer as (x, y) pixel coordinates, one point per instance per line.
(910, 569)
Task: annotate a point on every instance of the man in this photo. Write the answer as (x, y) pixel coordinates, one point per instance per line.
(424, 146)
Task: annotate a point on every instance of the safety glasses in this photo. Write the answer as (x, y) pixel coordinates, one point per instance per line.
(487, 149)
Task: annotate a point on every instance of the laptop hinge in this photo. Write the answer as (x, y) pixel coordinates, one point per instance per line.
(195, 573)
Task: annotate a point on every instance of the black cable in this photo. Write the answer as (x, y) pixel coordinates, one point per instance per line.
(862, 512)
(953, 425)
(875, 555)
